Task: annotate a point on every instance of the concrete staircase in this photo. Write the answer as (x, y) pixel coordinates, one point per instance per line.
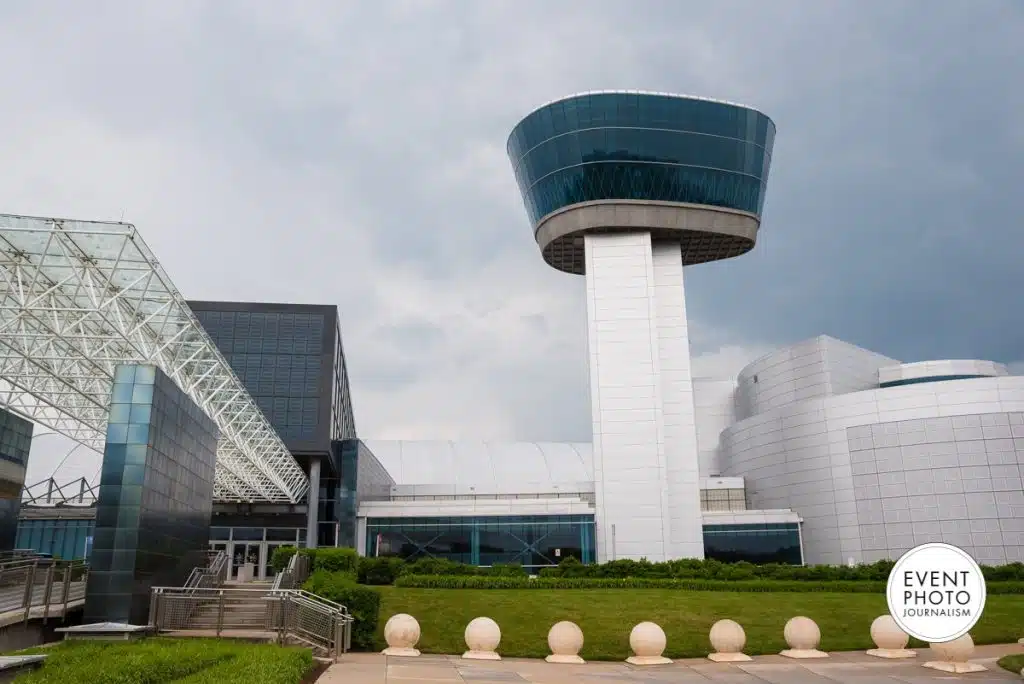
(247, 611)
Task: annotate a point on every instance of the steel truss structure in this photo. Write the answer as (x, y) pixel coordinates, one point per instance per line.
(49, 493)
(79, 298)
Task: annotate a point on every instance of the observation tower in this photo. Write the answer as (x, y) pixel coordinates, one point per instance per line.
(627, 188)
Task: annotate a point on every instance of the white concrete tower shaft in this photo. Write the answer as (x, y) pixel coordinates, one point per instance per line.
(627, 188)
(646, 478)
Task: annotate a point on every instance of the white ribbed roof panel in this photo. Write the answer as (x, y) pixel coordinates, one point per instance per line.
(79, 298)
(487, 466)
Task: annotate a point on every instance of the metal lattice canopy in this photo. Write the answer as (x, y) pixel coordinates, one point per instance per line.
(78, 298)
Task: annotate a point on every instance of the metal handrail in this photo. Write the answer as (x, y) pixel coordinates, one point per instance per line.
(38, 583)
(292, 613)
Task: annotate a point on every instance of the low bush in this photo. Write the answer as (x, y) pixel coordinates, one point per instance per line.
(362, 602)
(336, 560)
(464, 582)
(757, 585)
(506, 570)
(281, 556)
(157, 660)
(379, 571)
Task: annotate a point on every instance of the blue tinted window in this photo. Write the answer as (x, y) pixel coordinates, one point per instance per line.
(641, 147)
(532, 541)
(754, 543)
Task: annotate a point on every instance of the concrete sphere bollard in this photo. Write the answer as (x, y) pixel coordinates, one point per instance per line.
(802, 636)
(482, 638)
(953, 656)
(565, 639)
(648, 642)
(727, 639)
(890, 639)
(402, 632)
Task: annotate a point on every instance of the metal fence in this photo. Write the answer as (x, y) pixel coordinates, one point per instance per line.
(292, 615)
(38, 587)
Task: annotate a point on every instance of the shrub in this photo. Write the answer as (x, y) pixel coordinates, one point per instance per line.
(362, 602)
(379, 571)
(336, 560)
(1010, 571)
(711, 569)
(438, 566)
(756, 585)
(281, 557)
(506, 570)
(466, 582)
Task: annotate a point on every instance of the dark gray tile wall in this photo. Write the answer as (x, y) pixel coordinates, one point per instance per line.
(155, 496)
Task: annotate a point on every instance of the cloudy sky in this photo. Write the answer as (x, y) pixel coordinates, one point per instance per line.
(353, 153)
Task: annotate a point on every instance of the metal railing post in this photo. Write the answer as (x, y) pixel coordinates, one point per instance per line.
(48, 591)
(281, 619)
(68, 571)
(30, 580)
(220, 611)
(154, 610)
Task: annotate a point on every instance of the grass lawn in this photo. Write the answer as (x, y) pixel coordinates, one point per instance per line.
(607, 616)
(178, 661)
(1013, 663)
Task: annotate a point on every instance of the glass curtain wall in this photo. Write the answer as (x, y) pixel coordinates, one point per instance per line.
(754, 543)
(532, 541)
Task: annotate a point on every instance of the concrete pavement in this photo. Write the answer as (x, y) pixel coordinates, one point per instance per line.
(853, 667)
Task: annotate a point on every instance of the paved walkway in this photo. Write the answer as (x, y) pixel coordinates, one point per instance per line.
(856, 667)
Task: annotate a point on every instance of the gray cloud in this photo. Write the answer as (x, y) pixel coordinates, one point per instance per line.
(353, 153)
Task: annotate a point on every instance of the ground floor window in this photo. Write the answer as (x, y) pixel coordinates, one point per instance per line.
(754, 543)
(533, 541)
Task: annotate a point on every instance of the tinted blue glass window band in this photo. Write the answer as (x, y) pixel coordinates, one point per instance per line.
(643, 182)
(936, 378)
(641, 110)
(643, 144)
(641, 147)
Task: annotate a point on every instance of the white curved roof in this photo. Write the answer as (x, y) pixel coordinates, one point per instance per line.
(499, 467)
(922, 370)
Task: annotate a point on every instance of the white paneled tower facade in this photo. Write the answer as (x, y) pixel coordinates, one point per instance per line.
(626, 188)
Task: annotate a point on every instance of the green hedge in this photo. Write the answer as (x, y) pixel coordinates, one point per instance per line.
(711, 569)
(385, 570)
(281, 556)
(839, 586)
(158, 660)
(362, 602)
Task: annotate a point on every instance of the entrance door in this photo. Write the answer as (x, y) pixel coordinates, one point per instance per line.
(243, 553)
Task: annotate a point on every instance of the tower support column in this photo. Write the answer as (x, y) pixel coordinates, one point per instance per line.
(645, 447)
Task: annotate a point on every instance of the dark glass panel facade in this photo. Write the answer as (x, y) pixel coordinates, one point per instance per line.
(64, 539)
(754, 543)
(635, 146)
(155, 496)
(533, 541)
(363, 478)
(290, 358)
(15, 442)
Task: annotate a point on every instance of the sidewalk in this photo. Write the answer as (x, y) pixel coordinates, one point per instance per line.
(372, 668)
